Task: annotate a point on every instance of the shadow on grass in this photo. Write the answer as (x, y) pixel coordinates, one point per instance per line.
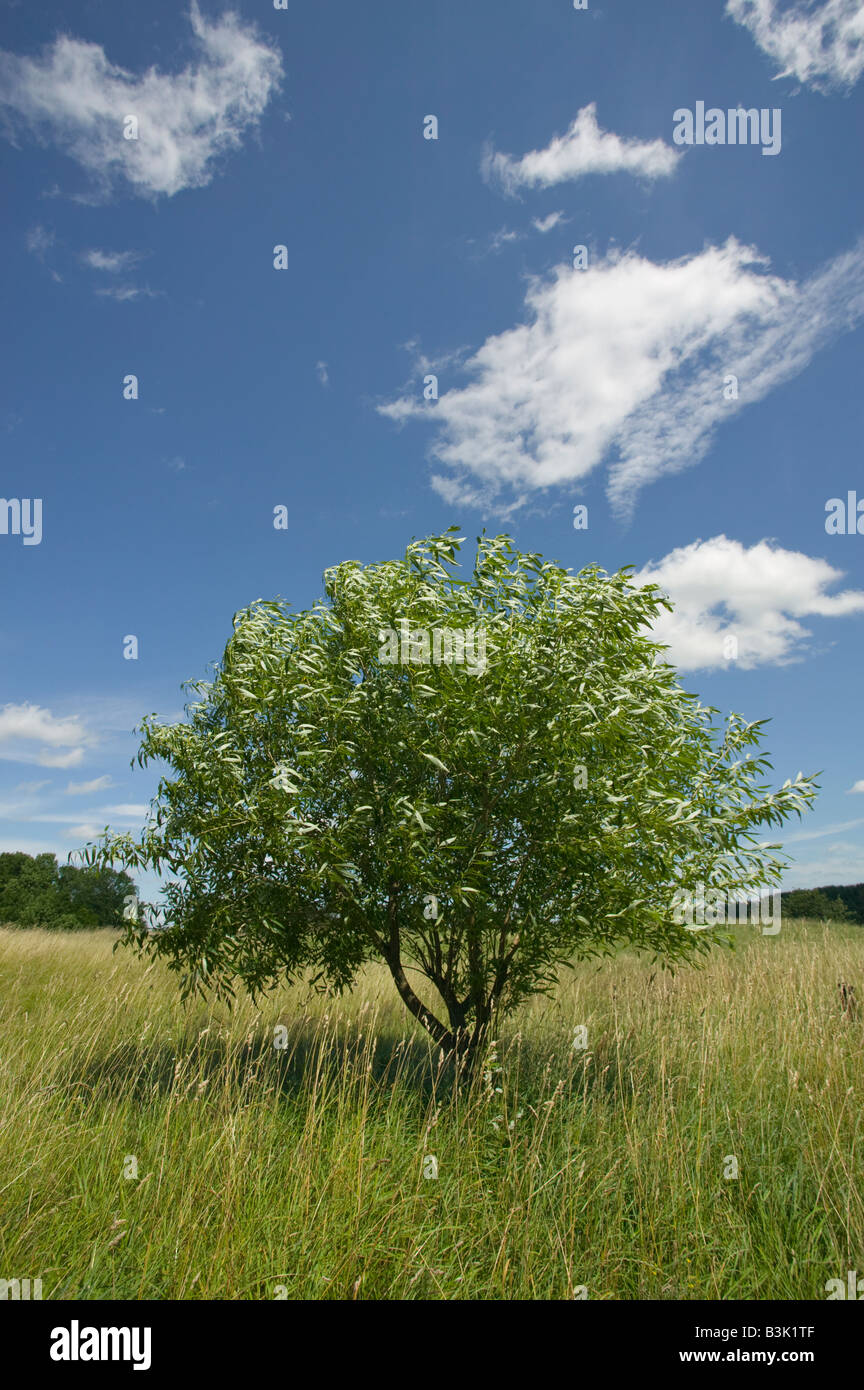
(338, 1060)
(140, 1071)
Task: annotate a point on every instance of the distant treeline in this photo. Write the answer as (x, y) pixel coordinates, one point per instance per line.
(838, 903)
(39, 892)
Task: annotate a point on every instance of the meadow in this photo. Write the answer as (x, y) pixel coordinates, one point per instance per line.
(151, 1150)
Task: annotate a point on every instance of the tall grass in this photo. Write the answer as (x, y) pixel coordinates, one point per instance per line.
(299, 1173)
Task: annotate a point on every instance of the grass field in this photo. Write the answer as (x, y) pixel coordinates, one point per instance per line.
(299, 1173)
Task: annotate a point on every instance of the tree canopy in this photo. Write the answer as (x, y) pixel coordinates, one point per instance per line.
(346, 788)
(37, 892)
(820, 903)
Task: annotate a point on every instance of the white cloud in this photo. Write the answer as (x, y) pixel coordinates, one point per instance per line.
(112, 262)
(31, 788)
(722, 589)
(40, 241)
(323, 374)
(627, 360)
(98, 784)
(546, 224)
(11, 810)
(857, 787)
(842, 862)
(585, 149)
(62, 760)
(23, 728)
(821, 45)
(84, 832)
(74, 96)
(503, 237)
(122, 293)
(34, 847)
(820, 834)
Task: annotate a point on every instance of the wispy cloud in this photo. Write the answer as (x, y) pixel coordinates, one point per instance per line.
(801, 835)
(546, 224)
(585, 149)
(628, 361)
(112, 262)
(503, 237)
(822, 45)
(75, 97)
(40, 241)
(98, 784)
(758, 595)
(323, 374)
(508, 236)
(81, 833)
(104, 815)
(124, 293)
(842, 862)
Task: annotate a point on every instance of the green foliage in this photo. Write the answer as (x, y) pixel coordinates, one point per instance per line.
(321, 798)
(816, 903)
(851, 895)
(36, 892)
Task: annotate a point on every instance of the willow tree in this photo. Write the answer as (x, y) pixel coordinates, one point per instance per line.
(471, 779)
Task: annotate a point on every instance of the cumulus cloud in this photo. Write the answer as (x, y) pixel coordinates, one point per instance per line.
(722, 589)
(74, 96)
(857, 787)
(821, 45)
(585, 149)
(29, 734)
(628, 361)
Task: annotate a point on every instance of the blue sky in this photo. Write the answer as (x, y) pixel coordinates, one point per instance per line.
(606, 386)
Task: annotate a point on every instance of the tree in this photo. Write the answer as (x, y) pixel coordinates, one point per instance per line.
(339, 796)
(36, 892)
(95, 893)
(814, 902)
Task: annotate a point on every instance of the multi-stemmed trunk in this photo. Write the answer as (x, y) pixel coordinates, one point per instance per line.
(461, 1042)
